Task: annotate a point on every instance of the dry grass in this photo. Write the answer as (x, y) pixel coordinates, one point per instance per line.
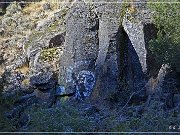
(1, 70)
(25, 82)
(36, 7)
(24, 69)
(132, 10)
(32, 8)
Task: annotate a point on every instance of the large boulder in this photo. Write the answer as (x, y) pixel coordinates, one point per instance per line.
(136, 36)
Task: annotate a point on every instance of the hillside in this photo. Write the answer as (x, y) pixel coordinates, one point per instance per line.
(89, 66)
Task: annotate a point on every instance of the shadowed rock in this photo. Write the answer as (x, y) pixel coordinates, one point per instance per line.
(57, 41)
(42, 81)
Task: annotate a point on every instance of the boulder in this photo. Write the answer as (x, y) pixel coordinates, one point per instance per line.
(57, 40)
(43, 81)
(107, 64)
(39, 48)
(42, 95)
(44, 85)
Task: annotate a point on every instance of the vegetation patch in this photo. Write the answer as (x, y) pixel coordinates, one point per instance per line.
(64, 119)
(49, 54)
(24, 69)
(128, 10)
(166, 47)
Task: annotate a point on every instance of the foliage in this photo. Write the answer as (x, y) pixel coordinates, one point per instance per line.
(49, 54)
(123, 12)
(166, 47)
(25, 82)
(70, 118)
(154, 119)
(64, 119)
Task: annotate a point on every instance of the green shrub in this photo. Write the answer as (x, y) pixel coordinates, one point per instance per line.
(166, 47)
(49, 54)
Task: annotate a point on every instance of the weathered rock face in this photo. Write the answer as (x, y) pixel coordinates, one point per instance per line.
(136, 35)
(28, 46)
(44, 85)
(136, 55)
(90, 48)
(133, 71)
(42, 81)
(96, 43)
(81, 43)
(57, 41)
(107, 62)
(39, 52)
(95, 54)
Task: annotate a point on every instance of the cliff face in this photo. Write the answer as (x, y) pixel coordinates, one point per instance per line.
(90, 45)
(95, 52)
(95, 45)
(91, 34)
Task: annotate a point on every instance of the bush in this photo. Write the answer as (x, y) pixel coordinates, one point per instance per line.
(166, 47)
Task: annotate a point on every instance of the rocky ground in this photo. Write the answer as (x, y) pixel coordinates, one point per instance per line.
(79, 66)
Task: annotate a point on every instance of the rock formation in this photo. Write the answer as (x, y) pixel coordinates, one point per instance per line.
(89, 54)
(93, 43)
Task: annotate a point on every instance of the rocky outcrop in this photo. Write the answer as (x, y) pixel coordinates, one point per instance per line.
(107, 63)
(81, 43)
(42, 81)
(99, 49)
(87, 46)
(44, 86)
(136, 35)
(105, 54)
(134, 22)
(93, 44)
(90, 46)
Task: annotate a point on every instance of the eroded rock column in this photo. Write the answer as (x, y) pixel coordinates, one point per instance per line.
(81, 45)
(107, 62)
